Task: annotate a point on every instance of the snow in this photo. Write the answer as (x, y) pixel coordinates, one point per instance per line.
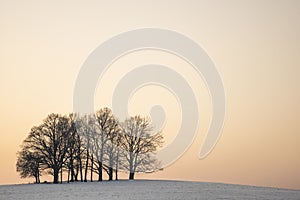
(142, 189)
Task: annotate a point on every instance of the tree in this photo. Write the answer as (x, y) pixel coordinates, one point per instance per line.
(75, 151)
(29, 164)
(139, 145)
(51, 139)
(111, 147)
(98, 140)
(118, 152)
(71, 151)
(84, 126)
(103, 137)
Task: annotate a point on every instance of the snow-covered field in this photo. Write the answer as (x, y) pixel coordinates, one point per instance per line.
(142, 189)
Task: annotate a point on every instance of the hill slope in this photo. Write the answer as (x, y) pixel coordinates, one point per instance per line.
(142, 189)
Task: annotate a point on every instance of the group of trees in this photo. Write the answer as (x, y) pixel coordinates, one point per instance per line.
(81, 146)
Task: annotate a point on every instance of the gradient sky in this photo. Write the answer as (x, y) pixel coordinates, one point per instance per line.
(254, 44)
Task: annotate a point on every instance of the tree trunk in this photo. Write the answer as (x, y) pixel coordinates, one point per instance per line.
(37, 176)
(116, 174)
(117, 165)
(86, 166)
(55, 175)
(92, 165)
(61, 174)
(72, 167)
(110, 173)
(80, 168)
(76, 174)
(100, 171)
(131, 176)
(100, 164)
(68, 174)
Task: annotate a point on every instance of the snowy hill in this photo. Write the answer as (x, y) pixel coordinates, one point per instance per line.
(142, 189)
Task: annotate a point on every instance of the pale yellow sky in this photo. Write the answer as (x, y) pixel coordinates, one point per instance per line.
(254, 44)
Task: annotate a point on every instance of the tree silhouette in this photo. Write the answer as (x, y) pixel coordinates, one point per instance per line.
(139, 145)
(106, 131)
(96, 143)
(51, 140)
(85, 126)
(29, 164)
(113, 134)
(75, 151)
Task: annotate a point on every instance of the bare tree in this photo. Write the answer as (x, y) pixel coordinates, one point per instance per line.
(90, 129)
(84, 125)
(29, 164)
(103, 140)
(113, 134)
(71, 150)
(118, 152)
(139, 145)
(76, 149)
(51, 140)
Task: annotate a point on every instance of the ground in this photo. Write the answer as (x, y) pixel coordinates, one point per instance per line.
(142, 189)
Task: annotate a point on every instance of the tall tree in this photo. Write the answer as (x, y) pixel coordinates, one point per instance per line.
(118, 151)
(106, 125)
(75, 150)
(113, 134)
(84, 126)
(71, 150)
(139, 145)
(51, 139)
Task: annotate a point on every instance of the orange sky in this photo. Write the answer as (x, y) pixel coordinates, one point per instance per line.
(255, 46)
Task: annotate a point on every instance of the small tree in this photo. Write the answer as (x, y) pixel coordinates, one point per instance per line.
(139, 145)
(29, 164)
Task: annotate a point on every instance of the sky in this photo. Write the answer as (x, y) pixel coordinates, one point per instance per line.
(255, 46)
